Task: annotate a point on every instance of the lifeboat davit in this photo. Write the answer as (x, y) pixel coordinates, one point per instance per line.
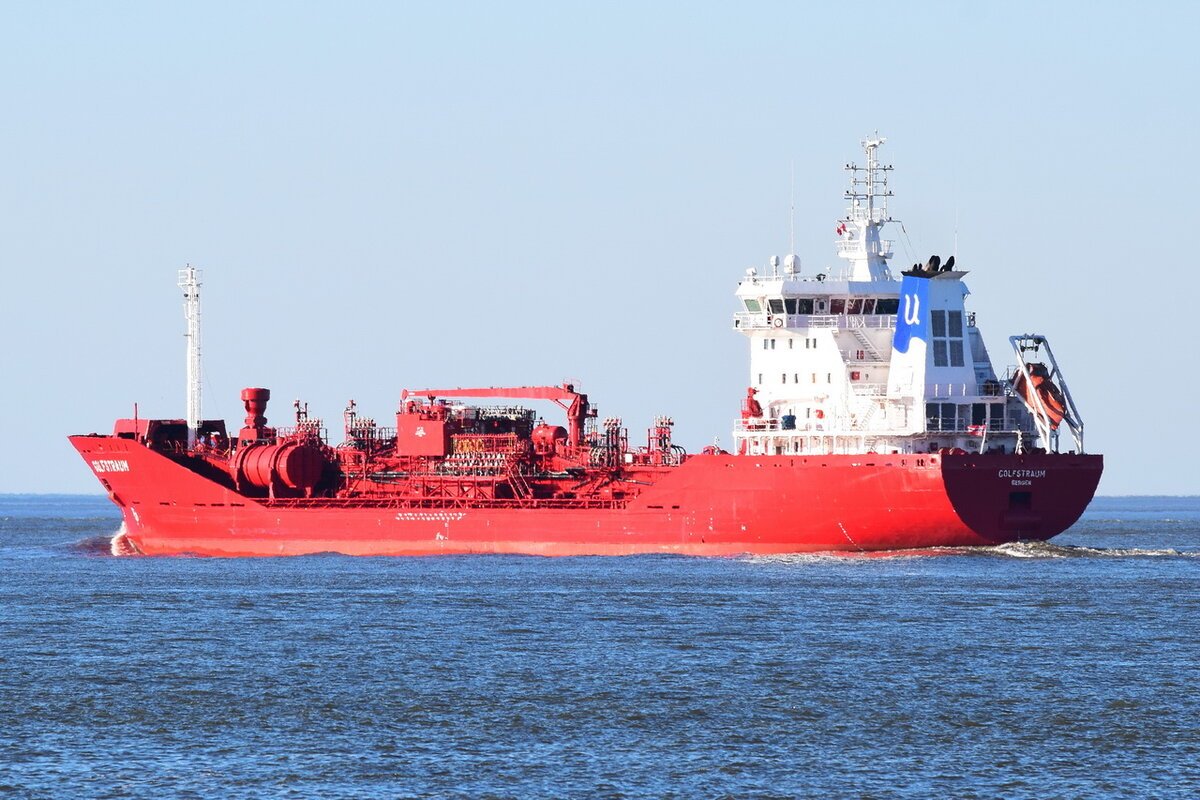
(1047, 392)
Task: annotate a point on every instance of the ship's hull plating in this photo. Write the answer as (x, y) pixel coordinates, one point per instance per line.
(711, 505)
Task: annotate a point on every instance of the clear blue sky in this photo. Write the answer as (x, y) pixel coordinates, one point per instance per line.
(391, 195)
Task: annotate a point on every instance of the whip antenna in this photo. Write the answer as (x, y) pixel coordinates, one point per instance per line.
(792, 212)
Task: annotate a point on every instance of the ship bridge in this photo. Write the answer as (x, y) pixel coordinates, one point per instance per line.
(861, 361)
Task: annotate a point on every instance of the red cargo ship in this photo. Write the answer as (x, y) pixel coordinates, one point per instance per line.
(874, 421)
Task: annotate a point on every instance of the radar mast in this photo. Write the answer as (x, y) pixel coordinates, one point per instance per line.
(858, 232)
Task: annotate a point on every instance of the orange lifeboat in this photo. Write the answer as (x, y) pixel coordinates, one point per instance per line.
(1048, 393)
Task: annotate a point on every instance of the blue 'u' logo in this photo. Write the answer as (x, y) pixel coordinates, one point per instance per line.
(912, 319)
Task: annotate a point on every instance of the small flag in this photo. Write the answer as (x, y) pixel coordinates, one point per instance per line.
(977, 430)
(841, 228)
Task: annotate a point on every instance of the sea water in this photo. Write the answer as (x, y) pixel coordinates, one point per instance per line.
(1069, 669)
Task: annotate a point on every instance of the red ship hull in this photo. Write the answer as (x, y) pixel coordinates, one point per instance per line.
(710, 505)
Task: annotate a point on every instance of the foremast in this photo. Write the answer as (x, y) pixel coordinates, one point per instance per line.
(189, 281)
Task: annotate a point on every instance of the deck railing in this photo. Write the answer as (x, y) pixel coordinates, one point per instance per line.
(747, 320)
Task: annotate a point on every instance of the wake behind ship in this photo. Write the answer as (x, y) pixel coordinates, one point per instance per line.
(873, 420)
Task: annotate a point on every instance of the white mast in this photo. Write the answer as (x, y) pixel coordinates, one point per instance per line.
(189, 281)
(858, 231)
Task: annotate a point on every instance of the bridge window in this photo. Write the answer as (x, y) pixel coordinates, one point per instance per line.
(804, 305)
(979, 414)
(775, 304)
(996, 416)
(888, 305)
(789, 304)
(837, 306)
(941, 416)
(753, 306)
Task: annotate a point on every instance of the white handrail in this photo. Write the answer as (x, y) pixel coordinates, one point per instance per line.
(761, 320)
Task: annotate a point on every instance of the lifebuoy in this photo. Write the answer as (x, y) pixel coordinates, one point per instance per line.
(777, 322)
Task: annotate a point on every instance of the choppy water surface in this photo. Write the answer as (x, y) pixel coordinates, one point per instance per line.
(1031, 670)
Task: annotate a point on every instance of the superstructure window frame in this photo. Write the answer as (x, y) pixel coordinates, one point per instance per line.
(948, 347)
(941, 357)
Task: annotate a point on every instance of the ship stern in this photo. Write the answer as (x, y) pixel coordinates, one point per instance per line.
(1004, 498)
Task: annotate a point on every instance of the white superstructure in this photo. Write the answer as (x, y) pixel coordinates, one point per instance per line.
(863, 362)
